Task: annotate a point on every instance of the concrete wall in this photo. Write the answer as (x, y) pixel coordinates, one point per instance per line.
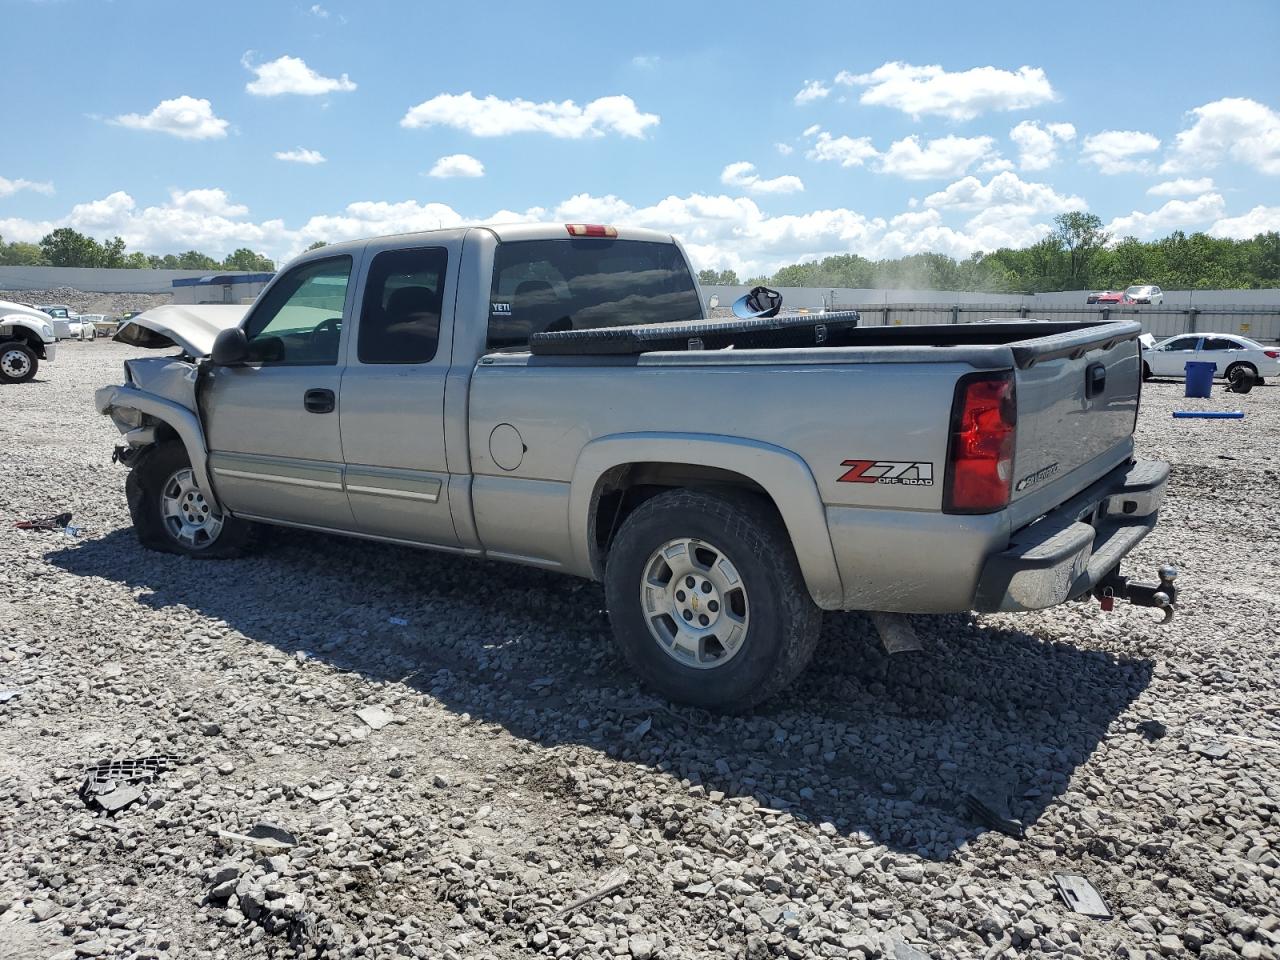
(1249, 313)
(96, 280)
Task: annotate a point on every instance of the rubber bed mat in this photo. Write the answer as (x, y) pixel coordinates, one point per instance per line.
(772, 333)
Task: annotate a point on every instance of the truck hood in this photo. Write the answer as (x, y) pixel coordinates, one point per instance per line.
(193, 328)
(9, 308)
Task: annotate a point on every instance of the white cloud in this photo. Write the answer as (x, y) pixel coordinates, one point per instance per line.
(210, 200)
(718, 230)
(1120, 151)
(1006, 191)
(494, 117)
(1258, 220)
(1242, 130)
(301, 155)
(811, 91)
(646, 61)
(457, 165)
(1174, 215)
(184, 117)
(962, 95)
(785, 149)
(743, 174)
(1038, 145)
(291, 75)
(319, 11)
(10, 187)
(1181, 187)
(948, 156)
(847, 151)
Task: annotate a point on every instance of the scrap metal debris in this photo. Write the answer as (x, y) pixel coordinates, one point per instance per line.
(1080, 896)
(56, 522)
(1152, 729)
(264, 836)
(113, 785)
(993, 812)
(611, 882)
(7, 695)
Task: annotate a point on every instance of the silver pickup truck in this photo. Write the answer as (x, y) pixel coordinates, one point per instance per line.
(554, 396)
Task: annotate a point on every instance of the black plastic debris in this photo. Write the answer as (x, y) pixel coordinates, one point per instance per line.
(1152, 729)
(56, 522)
(993, 811)
(112, 786)
(1080, 896)
(1210, 750)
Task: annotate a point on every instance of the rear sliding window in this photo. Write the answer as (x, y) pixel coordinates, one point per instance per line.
(541, 285)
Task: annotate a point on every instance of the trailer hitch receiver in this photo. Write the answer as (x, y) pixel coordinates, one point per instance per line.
(1162, 595)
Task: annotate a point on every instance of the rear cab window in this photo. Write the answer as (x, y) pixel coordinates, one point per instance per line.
(400, 317)
(550, 285)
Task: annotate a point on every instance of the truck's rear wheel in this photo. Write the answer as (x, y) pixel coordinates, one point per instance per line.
(18, 363)
(707, 601)
(170, 512)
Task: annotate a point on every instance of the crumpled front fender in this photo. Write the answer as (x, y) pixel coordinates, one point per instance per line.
(183, 421)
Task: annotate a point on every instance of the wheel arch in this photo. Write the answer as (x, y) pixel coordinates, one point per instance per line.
(619, 465)
(173, 421)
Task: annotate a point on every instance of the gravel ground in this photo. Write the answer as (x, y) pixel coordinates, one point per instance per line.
(511, 767)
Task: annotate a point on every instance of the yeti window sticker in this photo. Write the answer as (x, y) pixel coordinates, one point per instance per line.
(907, 473)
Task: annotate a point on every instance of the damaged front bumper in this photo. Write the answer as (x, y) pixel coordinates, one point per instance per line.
(1071, 550)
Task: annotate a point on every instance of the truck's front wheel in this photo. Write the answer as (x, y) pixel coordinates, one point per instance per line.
(170, 512)
(18, 363)
(707, 600)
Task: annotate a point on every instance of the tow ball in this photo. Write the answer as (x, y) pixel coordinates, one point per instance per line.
(1162, 595)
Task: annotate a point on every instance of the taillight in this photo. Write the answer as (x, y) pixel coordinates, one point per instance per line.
(590, 230)
(1273, 354)
(984, 418)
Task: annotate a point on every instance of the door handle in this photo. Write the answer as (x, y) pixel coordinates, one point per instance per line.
(318, 400)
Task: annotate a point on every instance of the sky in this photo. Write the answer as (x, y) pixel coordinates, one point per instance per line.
(760, 134)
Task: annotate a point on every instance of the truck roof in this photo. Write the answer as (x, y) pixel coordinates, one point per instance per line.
(503, 231)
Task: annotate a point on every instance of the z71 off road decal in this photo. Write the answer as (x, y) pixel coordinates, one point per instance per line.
(911, 473)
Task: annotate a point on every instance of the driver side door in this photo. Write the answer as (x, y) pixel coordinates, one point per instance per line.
(271, 425)
(1171, 358)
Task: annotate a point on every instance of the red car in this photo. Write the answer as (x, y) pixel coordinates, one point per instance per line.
(1107, 296)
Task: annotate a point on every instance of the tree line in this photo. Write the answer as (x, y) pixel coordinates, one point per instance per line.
(65, 247)
(1077, 255)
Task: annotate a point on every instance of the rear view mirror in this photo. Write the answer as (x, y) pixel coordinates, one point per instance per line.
(230, 348)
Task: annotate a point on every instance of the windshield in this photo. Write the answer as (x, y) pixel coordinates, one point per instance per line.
(1138, 291)
(541, 285)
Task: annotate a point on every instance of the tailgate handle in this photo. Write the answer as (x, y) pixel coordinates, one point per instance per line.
(1095, 379)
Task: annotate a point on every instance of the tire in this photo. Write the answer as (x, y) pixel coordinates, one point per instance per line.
(1239, 369)
(163, 474)
(769, 622)
(18, 362)
(1146, 370)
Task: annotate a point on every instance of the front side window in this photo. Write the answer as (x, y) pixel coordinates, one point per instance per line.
(400, 319)
(299, 321)
(1182, 343)
(549, 285)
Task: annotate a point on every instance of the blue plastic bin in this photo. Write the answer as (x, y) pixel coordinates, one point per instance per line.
(1200, 378)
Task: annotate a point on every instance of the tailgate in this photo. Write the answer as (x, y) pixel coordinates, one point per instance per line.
(1077, 395)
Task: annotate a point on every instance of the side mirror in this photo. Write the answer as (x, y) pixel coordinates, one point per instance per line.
(230, 348)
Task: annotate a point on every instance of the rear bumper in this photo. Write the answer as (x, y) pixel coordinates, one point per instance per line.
(1065, 553)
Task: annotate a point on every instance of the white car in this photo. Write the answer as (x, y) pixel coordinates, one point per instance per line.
(1232, 355)
(89, 329)
(1145, 293)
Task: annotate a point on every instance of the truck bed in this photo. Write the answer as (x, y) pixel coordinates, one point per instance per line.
(1030, 341)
